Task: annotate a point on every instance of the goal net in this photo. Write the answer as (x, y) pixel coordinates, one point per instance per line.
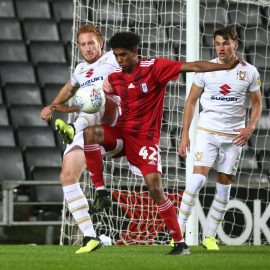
(133, 219)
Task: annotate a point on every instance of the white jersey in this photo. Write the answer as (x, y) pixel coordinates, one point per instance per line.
(224, 95)
(86, 74)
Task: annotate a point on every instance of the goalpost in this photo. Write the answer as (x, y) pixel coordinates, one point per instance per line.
(164, 26)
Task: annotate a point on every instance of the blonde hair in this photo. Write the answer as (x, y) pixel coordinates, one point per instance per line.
(89, 28)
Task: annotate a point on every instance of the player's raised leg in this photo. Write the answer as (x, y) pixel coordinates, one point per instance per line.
(67, 130)
(111, 145)
(107, 114)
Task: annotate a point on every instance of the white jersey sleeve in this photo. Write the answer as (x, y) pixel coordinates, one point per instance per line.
(255, 81)
(73, 80)
(199, 80)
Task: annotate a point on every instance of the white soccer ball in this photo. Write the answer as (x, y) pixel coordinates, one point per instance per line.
(90, 99)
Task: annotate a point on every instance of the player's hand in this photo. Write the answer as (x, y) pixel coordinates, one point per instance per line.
(46, 113)
(184, 146)
(243, 136)
(65, 109)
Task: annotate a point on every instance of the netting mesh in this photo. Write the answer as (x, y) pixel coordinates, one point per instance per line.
(161, 24)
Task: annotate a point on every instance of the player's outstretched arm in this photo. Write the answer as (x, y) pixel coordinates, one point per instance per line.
(205, 66)
(65, 108)
(184, 142)
(65, 93)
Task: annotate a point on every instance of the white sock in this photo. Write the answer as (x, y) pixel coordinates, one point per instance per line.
(78, 206)
(86, 120)
(190, 195)
(101, 188)
(218, 208)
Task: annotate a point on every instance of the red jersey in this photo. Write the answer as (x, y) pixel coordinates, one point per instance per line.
(142, 94)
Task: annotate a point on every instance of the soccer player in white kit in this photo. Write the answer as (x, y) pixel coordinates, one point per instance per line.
(93, 70)
(221, 130)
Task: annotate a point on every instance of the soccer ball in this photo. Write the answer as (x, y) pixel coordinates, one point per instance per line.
(89, 99)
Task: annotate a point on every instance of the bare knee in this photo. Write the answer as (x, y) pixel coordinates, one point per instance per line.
(224, 179)
(69, 177)
(72, 167)
(93, 135)
(89, 135)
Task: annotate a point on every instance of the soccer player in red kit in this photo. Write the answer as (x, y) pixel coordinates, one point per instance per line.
(141, 84)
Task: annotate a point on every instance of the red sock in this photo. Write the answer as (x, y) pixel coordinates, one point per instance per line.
(168, 213)
(94, 163)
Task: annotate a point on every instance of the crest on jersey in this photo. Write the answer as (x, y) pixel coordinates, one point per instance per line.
(103, 61)
(144, 87)
(242, 75)
(89, 73)
(198, 156)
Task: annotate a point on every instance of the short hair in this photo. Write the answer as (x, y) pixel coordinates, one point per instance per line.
(90, 28)
(227, 33)
(126, 40)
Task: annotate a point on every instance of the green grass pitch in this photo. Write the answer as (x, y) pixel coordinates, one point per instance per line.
(22, 257)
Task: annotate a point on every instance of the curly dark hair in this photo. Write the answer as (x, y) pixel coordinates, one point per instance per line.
(227, 33)
(126, 40)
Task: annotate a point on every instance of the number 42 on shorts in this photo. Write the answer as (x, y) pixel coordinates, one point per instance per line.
(149, 153)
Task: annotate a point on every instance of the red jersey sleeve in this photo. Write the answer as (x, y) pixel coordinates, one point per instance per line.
(166, 69)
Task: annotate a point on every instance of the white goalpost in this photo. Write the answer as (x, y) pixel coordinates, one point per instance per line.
(182, 30)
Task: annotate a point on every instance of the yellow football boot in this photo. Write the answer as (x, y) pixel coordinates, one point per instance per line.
(67, 130)
(210, 243)
(89, 244)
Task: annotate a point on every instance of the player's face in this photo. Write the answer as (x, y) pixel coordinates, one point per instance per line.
(90, 47)
(126, 58)
(225, 49)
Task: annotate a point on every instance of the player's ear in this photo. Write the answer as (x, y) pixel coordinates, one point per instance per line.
(102, 43)
(236, 45)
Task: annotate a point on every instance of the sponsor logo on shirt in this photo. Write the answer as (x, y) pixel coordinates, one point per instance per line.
(224, 98)
(95, 79)
(144, 87)
(89, 73)
(224, 89)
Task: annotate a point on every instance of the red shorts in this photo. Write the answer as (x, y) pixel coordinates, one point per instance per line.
(143, 155)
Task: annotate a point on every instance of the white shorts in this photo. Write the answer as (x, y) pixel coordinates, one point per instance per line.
(78, 141)
(217, 151)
